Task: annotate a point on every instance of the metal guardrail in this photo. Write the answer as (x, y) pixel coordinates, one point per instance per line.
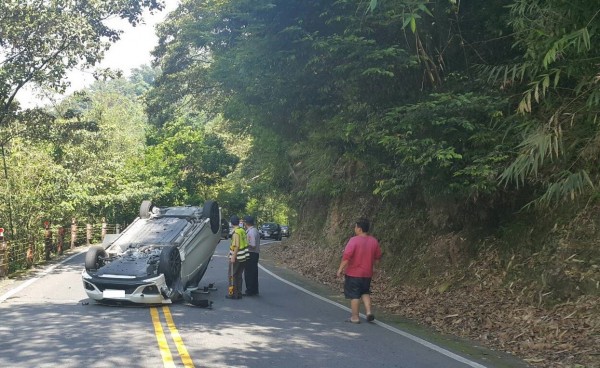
(21, 254)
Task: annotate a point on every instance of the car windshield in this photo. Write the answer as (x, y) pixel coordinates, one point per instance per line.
(269, 225)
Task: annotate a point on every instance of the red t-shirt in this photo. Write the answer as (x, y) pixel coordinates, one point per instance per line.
(361, 252)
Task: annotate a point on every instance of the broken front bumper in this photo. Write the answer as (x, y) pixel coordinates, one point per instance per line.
(120, 288)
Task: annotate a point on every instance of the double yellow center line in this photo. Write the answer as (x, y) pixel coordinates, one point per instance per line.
(163, 344)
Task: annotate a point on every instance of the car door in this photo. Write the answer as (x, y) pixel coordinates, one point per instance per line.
(197, 250)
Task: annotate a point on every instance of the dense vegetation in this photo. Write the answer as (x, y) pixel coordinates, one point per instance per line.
(461, 114)
(402, 98)
(49, 155)
(462, 128)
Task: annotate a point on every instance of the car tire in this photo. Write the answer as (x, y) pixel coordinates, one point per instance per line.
(146, 209)
(211, 211)
(169, 264)
(94, 258)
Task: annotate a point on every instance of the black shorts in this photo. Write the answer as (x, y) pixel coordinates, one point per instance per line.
(355, 287)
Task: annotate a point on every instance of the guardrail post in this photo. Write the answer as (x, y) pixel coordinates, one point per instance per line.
(88, 234)
(104, 226)
(73, 233)
(60, 240)
(30, 253)
(3, 255)
(47, 240)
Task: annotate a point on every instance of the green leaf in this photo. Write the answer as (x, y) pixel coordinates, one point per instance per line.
(406, 21)
(424, 9)
(372, 5)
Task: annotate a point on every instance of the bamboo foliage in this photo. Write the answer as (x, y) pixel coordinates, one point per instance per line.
(561, 81)
(567, 185)
(536, 147)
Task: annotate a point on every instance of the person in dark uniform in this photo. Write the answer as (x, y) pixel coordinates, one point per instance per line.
(251, 268)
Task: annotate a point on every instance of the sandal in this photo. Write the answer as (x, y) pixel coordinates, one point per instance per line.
(370, 317)
(351, 321)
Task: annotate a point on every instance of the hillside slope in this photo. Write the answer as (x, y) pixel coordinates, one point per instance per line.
(529, 286)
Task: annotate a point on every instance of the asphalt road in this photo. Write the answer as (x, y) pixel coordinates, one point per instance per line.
(46, 320)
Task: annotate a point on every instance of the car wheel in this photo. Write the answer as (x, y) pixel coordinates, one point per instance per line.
(170, 264)
(94, 258)
(211, 211)
(146, 209)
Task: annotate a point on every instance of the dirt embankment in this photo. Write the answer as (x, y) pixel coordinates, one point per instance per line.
(483, 310)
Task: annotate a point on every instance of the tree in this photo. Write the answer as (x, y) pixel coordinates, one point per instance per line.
(183, 162)
(338, 99)
(43, 40)
(79, 164)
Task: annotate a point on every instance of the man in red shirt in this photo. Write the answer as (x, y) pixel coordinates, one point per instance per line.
(361, 254)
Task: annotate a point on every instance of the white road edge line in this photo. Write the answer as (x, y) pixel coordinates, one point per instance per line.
(384, 325)
(31, 281)
(416, 339)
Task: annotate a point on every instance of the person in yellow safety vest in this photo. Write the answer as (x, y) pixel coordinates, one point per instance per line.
(238, 253)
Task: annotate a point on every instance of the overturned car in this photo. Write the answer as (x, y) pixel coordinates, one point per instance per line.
(163, 254)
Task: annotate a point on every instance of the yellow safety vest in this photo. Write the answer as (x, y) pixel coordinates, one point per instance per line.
(242, 253)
